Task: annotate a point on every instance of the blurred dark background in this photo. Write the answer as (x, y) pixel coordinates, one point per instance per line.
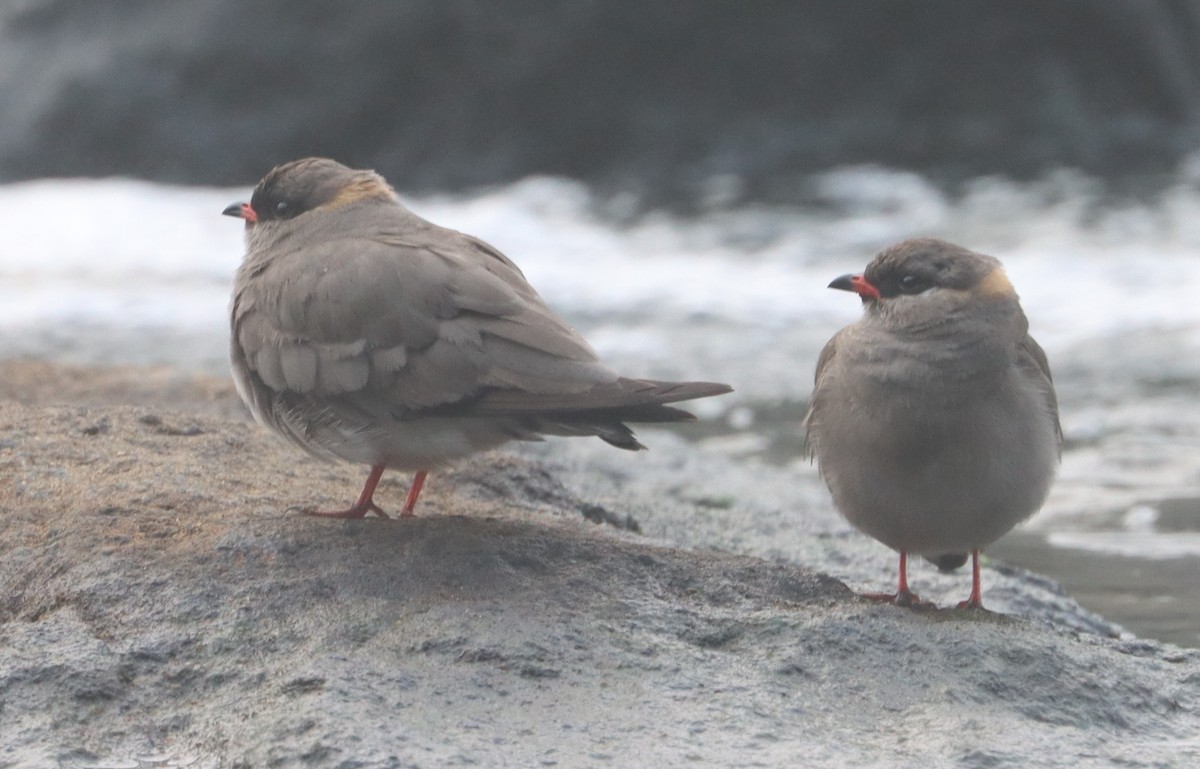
(667, 100)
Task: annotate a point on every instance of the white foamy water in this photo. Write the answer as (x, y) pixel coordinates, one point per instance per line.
(131, 255)
(119, 271)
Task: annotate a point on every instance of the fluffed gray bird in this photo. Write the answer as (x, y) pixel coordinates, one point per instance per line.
(933, 419)
(361, 331)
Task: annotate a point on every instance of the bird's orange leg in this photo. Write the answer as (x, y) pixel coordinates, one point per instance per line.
(903, 596)
(976, 599)
(365, 503)
(414, 491)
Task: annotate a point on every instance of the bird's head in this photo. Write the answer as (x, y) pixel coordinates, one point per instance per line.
(926, 281)
(306, 185)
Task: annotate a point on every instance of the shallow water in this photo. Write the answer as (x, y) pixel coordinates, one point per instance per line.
(120, 271)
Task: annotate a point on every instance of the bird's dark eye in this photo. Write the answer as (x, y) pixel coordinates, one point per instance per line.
(281, 208)
(913, 284)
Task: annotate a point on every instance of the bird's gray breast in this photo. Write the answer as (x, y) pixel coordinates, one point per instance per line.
(932, 448)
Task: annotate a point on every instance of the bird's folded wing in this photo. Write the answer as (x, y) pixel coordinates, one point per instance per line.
(413, 322)
(823, 360)
(630, 396)
(1031, 358)
(826, 357)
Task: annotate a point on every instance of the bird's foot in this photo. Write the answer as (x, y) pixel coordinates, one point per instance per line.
(905, 598)
(354, 511)
(365, 504)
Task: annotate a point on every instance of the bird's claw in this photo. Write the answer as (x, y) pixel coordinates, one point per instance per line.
(355, 511)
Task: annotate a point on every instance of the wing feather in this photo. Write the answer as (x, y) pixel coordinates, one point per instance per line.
(1031, 358)
(810, 422)
(416, 320)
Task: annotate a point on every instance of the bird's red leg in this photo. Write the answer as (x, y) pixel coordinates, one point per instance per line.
(365, 504)
(414, 491)
(903, 596)
(976, 599)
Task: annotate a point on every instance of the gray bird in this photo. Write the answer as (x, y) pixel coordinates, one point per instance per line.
(362, 332)
(933, 418)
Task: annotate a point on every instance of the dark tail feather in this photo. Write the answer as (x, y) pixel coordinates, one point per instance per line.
(609, 424)
(633, 400)
(650, 412)
(620, 436)
(602, 411)
(948, 561)
(611, 432)
(671, 392)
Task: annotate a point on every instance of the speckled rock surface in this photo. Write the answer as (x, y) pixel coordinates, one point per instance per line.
(162, 603)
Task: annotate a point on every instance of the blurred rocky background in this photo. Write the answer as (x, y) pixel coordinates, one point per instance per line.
(677, 103)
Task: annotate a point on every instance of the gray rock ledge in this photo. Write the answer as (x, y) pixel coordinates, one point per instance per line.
(161, 605)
